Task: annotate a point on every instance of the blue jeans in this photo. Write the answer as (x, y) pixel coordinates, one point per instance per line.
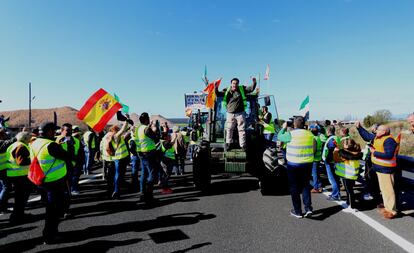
(317, 184)
(148, 167)
(4, 190)
(191, 150)
(298, 177)
(179, 164)
(333, 180)
(89, 159)
(135, 162)
(75, 178)
(120, 167)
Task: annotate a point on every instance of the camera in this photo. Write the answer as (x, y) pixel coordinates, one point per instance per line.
(290, 122)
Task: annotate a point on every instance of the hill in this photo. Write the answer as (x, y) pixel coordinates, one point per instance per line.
(20, 118)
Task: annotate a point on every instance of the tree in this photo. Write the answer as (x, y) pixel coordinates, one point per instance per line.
(379, 117)
(368, 121)
(382, 116)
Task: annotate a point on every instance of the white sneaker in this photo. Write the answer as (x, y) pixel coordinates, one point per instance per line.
(75, 193)
(368, 197)
(350, 210)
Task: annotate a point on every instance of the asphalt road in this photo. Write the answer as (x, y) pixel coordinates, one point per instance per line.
(233, 217)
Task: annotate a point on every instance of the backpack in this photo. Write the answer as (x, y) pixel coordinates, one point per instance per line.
(36, 174)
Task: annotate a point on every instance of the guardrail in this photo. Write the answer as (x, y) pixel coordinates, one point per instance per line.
(406, 163)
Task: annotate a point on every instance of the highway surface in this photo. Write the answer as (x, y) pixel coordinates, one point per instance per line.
(233, 217)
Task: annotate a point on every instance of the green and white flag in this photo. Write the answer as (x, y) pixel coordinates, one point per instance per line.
(304, 108)
(125, 108)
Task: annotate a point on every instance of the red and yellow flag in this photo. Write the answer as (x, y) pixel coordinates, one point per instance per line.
(98, 110)
(211, 95)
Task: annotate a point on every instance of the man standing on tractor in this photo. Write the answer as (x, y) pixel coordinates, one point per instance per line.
(235, 102)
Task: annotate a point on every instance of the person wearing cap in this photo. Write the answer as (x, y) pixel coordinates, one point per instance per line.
(53, 160)
(19, 161)
(235, 102)
(5, 142)
(146, 146)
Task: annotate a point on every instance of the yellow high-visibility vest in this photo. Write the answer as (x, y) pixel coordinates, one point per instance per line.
(300, 149)
(53, 168)
(15, 170)
(379, 146)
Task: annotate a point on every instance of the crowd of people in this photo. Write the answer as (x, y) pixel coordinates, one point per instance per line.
(310, 149)
(65, 153)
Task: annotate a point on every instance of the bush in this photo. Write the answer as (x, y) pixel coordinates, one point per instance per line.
(379, 117)
(368, 121)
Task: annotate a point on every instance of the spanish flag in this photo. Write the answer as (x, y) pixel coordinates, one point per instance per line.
(98, 110)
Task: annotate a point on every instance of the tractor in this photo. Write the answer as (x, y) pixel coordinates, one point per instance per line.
(261, 158)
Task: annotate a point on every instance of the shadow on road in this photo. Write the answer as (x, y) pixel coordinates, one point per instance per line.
(324, 213)
(195, 246)
(95, 246)
(7, 232)
(174, 220)
(230, 186)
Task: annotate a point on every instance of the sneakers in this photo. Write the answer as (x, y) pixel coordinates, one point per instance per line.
(349, 209)
(166, 191)
(368, 197)
(308, 214)
(330, 198)
(316, 190)
(294, 214)
(74, 193)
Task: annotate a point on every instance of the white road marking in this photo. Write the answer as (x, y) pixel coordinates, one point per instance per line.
(83, 181)
(395, 238)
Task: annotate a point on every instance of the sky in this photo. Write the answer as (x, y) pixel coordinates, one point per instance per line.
(352, 57)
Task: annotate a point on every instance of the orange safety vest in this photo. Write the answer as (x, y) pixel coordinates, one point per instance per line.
(379, 146)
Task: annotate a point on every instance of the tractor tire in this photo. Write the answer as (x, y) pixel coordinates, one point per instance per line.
(273, 179)
(201, 170)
